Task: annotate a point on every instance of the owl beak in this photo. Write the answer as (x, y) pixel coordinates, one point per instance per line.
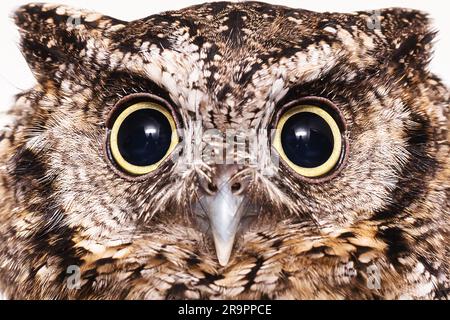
(224, 217)
(223, 210)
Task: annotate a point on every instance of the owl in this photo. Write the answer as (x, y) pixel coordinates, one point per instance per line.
(226, 151)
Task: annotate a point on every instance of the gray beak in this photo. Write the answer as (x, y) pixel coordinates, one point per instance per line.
(224, 218)
(222, 206)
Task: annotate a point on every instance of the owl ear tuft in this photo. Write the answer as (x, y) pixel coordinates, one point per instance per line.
(408, 35)
(52, 35)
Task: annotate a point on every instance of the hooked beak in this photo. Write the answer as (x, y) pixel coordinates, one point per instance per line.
(224, 217)
(223, 209)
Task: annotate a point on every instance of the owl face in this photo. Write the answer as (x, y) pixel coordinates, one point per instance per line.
(217, 137)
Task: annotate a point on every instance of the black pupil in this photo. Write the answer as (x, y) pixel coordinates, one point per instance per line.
(144, 137)
(307, 140)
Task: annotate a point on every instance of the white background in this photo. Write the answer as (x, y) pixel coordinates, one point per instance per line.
(15, 75)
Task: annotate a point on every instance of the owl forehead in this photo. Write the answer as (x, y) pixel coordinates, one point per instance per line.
(230, 63)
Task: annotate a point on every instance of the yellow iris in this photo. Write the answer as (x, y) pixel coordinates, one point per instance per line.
(333, 159)
(114, 145)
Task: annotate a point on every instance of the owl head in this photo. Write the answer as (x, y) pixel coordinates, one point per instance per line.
(226, 149)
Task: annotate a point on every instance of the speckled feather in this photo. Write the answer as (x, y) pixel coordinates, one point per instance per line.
(226, 66)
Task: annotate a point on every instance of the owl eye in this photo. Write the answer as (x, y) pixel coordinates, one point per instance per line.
(309, 140)
(142, 136)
